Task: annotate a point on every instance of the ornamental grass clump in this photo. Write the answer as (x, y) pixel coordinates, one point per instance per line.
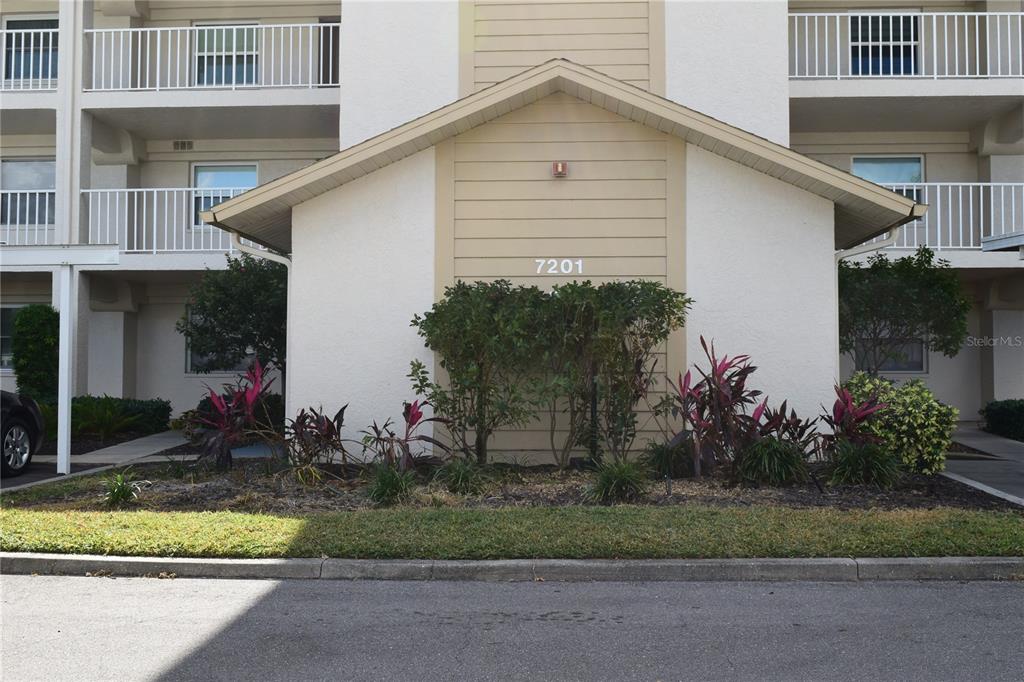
(771, 461)
(619, 481)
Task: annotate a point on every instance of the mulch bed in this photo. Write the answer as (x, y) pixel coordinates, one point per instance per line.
(260, 486)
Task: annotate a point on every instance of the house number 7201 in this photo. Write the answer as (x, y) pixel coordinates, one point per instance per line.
(555, 266)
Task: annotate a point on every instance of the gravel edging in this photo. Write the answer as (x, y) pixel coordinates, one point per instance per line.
(567, 570)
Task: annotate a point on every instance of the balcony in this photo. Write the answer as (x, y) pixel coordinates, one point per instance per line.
(237, 57)
(28, 60)
(841, 45)
(961, 215)
(27, 218)
(155, 221)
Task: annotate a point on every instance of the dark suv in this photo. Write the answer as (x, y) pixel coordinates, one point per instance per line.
(22, 432)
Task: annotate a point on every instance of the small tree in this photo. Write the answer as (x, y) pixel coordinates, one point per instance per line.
(567, 360)
(634, 319)
(885, 304)
(484, 334)
(239, 311)
(34, 347)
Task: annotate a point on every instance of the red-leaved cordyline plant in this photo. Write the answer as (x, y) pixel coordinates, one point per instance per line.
(714, 409)
(397, 451)
(234, 413)
(848, 418)
(312, 440)
(787, 427)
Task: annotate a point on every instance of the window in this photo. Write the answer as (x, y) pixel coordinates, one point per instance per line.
(30, 49)
(7, 314)
(28, 192)
(911, 358)
(227, 55)
(215, 183)
(196, 362)
(884, 44)
(892, 171)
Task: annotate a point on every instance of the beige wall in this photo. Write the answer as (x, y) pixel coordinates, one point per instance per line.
(948, 156)
(623, 39)
(613, 213)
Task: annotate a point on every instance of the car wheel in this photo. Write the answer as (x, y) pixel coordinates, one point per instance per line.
(17, 447)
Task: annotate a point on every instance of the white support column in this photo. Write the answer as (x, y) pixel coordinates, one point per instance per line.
(68, 306)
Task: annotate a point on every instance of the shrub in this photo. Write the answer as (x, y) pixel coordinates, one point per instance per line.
(401, 450)
(863, 463)
(388, 485)
(484, 336)
(668, 460)
(152, 416)
(1005, 418)
(121, 488)
(850, 419)
(913, 424)
(234, 416)
(714, 409)
(461, 476)
(634, 319)
(772, 462)
(619, 481)
(312, 440)
(101, 417)
(34, 346)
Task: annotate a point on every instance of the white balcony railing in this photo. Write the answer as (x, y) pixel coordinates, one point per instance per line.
(156, 220)
(27, 218)
(28, 59)
(840, 45)
(226, 57)
(960, 215)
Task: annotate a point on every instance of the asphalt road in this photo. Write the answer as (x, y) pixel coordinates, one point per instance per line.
(87, 629)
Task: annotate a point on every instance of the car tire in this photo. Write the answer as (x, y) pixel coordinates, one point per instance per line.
(16, 446)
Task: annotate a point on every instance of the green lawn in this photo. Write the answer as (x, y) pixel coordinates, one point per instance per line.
(574, 532)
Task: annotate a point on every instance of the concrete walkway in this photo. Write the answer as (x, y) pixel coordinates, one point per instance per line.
(1004, 473)
(128, 451)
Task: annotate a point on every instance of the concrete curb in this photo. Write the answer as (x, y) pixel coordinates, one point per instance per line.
(566, 570)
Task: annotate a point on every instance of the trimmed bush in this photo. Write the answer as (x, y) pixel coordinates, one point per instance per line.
(105, 416)
(1005, 418)
(34, 346)
(863, 464)
(913, 424)
(771, 461)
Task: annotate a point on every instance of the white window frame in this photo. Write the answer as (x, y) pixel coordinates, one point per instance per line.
(194, 190)
(9, 371)
(36, 227)
(7, 18)
(925, 361)
(919, 157)
(196, 54)
(190, 372)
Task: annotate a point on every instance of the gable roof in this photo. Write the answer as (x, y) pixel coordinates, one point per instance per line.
(862, 208)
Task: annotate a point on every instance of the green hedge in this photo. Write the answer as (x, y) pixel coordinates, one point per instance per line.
(117, 414)
(34, 346)
(1005, 418)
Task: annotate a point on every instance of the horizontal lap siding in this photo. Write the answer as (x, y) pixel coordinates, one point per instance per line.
(610, 211)
(612, 37)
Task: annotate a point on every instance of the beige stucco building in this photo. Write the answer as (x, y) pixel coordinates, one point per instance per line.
(721, 148)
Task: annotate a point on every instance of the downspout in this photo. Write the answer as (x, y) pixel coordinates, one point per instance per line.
(236, 243)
